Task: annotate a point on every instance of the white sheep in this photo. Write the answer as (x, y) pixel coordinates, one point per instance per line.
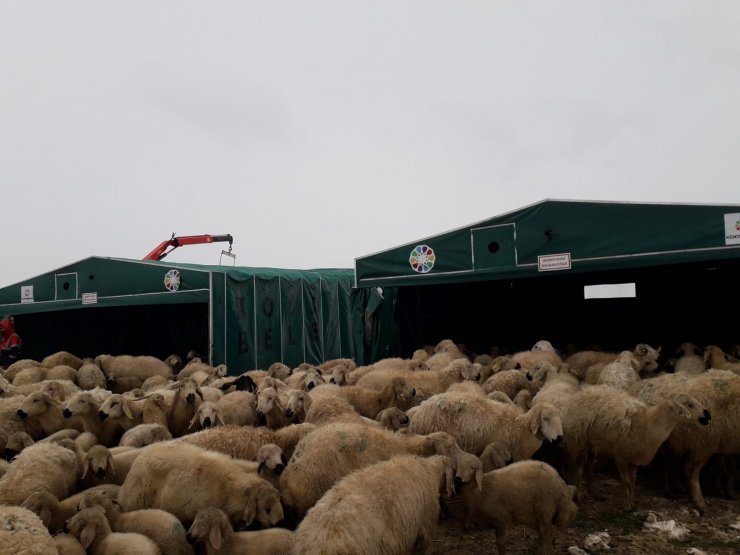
(160, 526)
(334, 450)
(317, 408)
(41, 467)
(244, 442)
(93, 530)
(55, 513)
(181, 478)
(21, 531)
(580, 362)
(270, 409)
(128, 372)
(369, 402)
(475, 422)
(716, 358)
(608, 422)
(61, 357)
(48, 412)
(388, 507)
(144, 434)
(621, 372)
(90, 376)
(62, 372)
(528, 493)
(212, 528)
(719, 392)
(67, 544)
(691, 361)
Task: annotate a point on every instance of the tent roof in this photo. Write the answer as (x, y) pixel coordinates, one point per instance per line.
(555, 236)
(126, 282)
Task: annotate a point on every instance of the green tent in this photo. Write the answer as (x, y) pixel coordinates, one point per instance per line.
(243, 317)
(520, 277)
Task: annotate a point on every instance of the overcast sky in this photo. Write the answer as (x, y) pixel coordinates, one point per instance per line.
(318, 132)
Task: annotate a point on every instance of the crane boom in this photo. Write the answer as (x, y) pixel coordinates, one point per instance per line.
(159, 251)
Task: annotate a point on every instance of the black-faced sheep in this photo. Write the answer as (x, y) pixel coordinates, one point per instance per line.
(181, 479)
(529, 493)
(212, 528)
(475, 422)
(388, 507)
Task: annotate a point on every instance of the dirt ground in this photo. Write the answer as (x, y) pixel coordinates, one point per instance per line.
(718, 532)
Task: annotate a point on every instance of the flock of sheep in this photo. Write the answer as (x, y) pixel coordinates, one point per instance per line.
(132, 454)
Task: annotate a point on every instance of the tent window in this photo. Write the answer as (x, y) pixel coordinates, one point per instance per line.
(610, 291)
(493, 247)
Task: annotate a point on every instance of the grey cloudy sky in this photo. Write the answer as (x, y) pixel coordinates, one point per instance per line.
(318, 132)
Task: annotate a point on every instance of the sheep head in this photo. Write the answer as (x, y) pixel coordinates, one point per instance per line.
(210, 524)
(88, 524)
(271, 456)
(545, 423)
(689, 408)
(263, 504)
(99, 460)
(115, 406)
(207, 415)
(35, 404)
(298, 404)
(267, 399)
(41, 503)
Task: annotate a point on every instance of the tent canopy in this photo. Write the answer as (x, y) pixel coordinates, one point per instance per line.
(243, 317)
(553, 235)
(524, 276)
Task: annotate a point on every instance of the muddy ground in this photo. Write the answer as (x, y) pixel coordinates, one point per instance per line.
(718, 532)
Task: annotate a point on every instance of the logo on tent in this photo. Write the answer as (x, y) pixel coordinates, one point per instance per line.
(172, 280)
(422, 259)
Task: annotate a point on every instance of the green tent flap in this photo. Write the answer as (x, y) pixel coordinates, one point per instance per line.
(243, 317)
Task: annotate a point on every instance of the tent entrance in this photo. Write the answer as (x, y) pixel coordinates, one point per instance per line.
(157, 330)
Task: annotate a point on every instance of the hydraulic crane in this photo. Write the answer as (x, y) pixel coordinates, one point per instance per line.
(159, 252)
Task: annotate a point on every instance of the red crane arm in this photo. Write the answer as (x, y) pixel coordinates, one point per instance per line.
(159, 251)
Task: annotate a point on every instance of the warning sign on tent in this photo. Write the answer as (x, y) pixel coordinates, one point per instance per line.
(549, 262)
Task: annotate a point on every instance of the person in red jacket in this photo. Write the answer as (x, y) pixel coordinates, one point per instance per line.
(10, 343)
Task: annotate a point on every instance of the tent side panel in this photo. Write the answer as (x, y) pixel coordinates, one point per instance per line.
(292, 321)
(267, 307)
(240, 326)
(312, 325)
(330, 311)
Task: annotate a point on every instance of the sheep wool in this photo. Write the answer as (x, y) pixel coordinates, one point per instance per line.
(388, 507)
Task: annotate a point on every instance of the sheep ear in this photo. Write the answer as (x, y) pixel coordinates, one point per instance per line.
(88, 535)
(193, 419)
(199, 393)
(250, 511)
(85, 467)
(219, 419)
(126, 410)
(679, 408)
(109, 463)
(534, 423)
(479, 477)
(215, 537)
(45, 516)
(449, 481)
(260, 466)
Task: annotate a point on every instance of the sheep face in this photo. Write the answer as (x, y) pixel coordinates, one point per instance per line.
(278, 370)
(80, 404)
(115, 406)
(393, 418)
(263, 504)
(296, 404)
(546, 423)
(99, 460)
(271, 457)
(86, 524)
(188, 389)
(404, 392)
(210, 525)
(313, 378)
(207, 415)
(35, 404)
(53, 389)
(690, 408)
(468, 468)
(339, 375)
(267, 400)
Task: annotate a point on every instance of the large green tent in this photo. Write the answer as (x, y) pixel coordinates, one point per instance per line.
(520, 277)
(243, 317)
